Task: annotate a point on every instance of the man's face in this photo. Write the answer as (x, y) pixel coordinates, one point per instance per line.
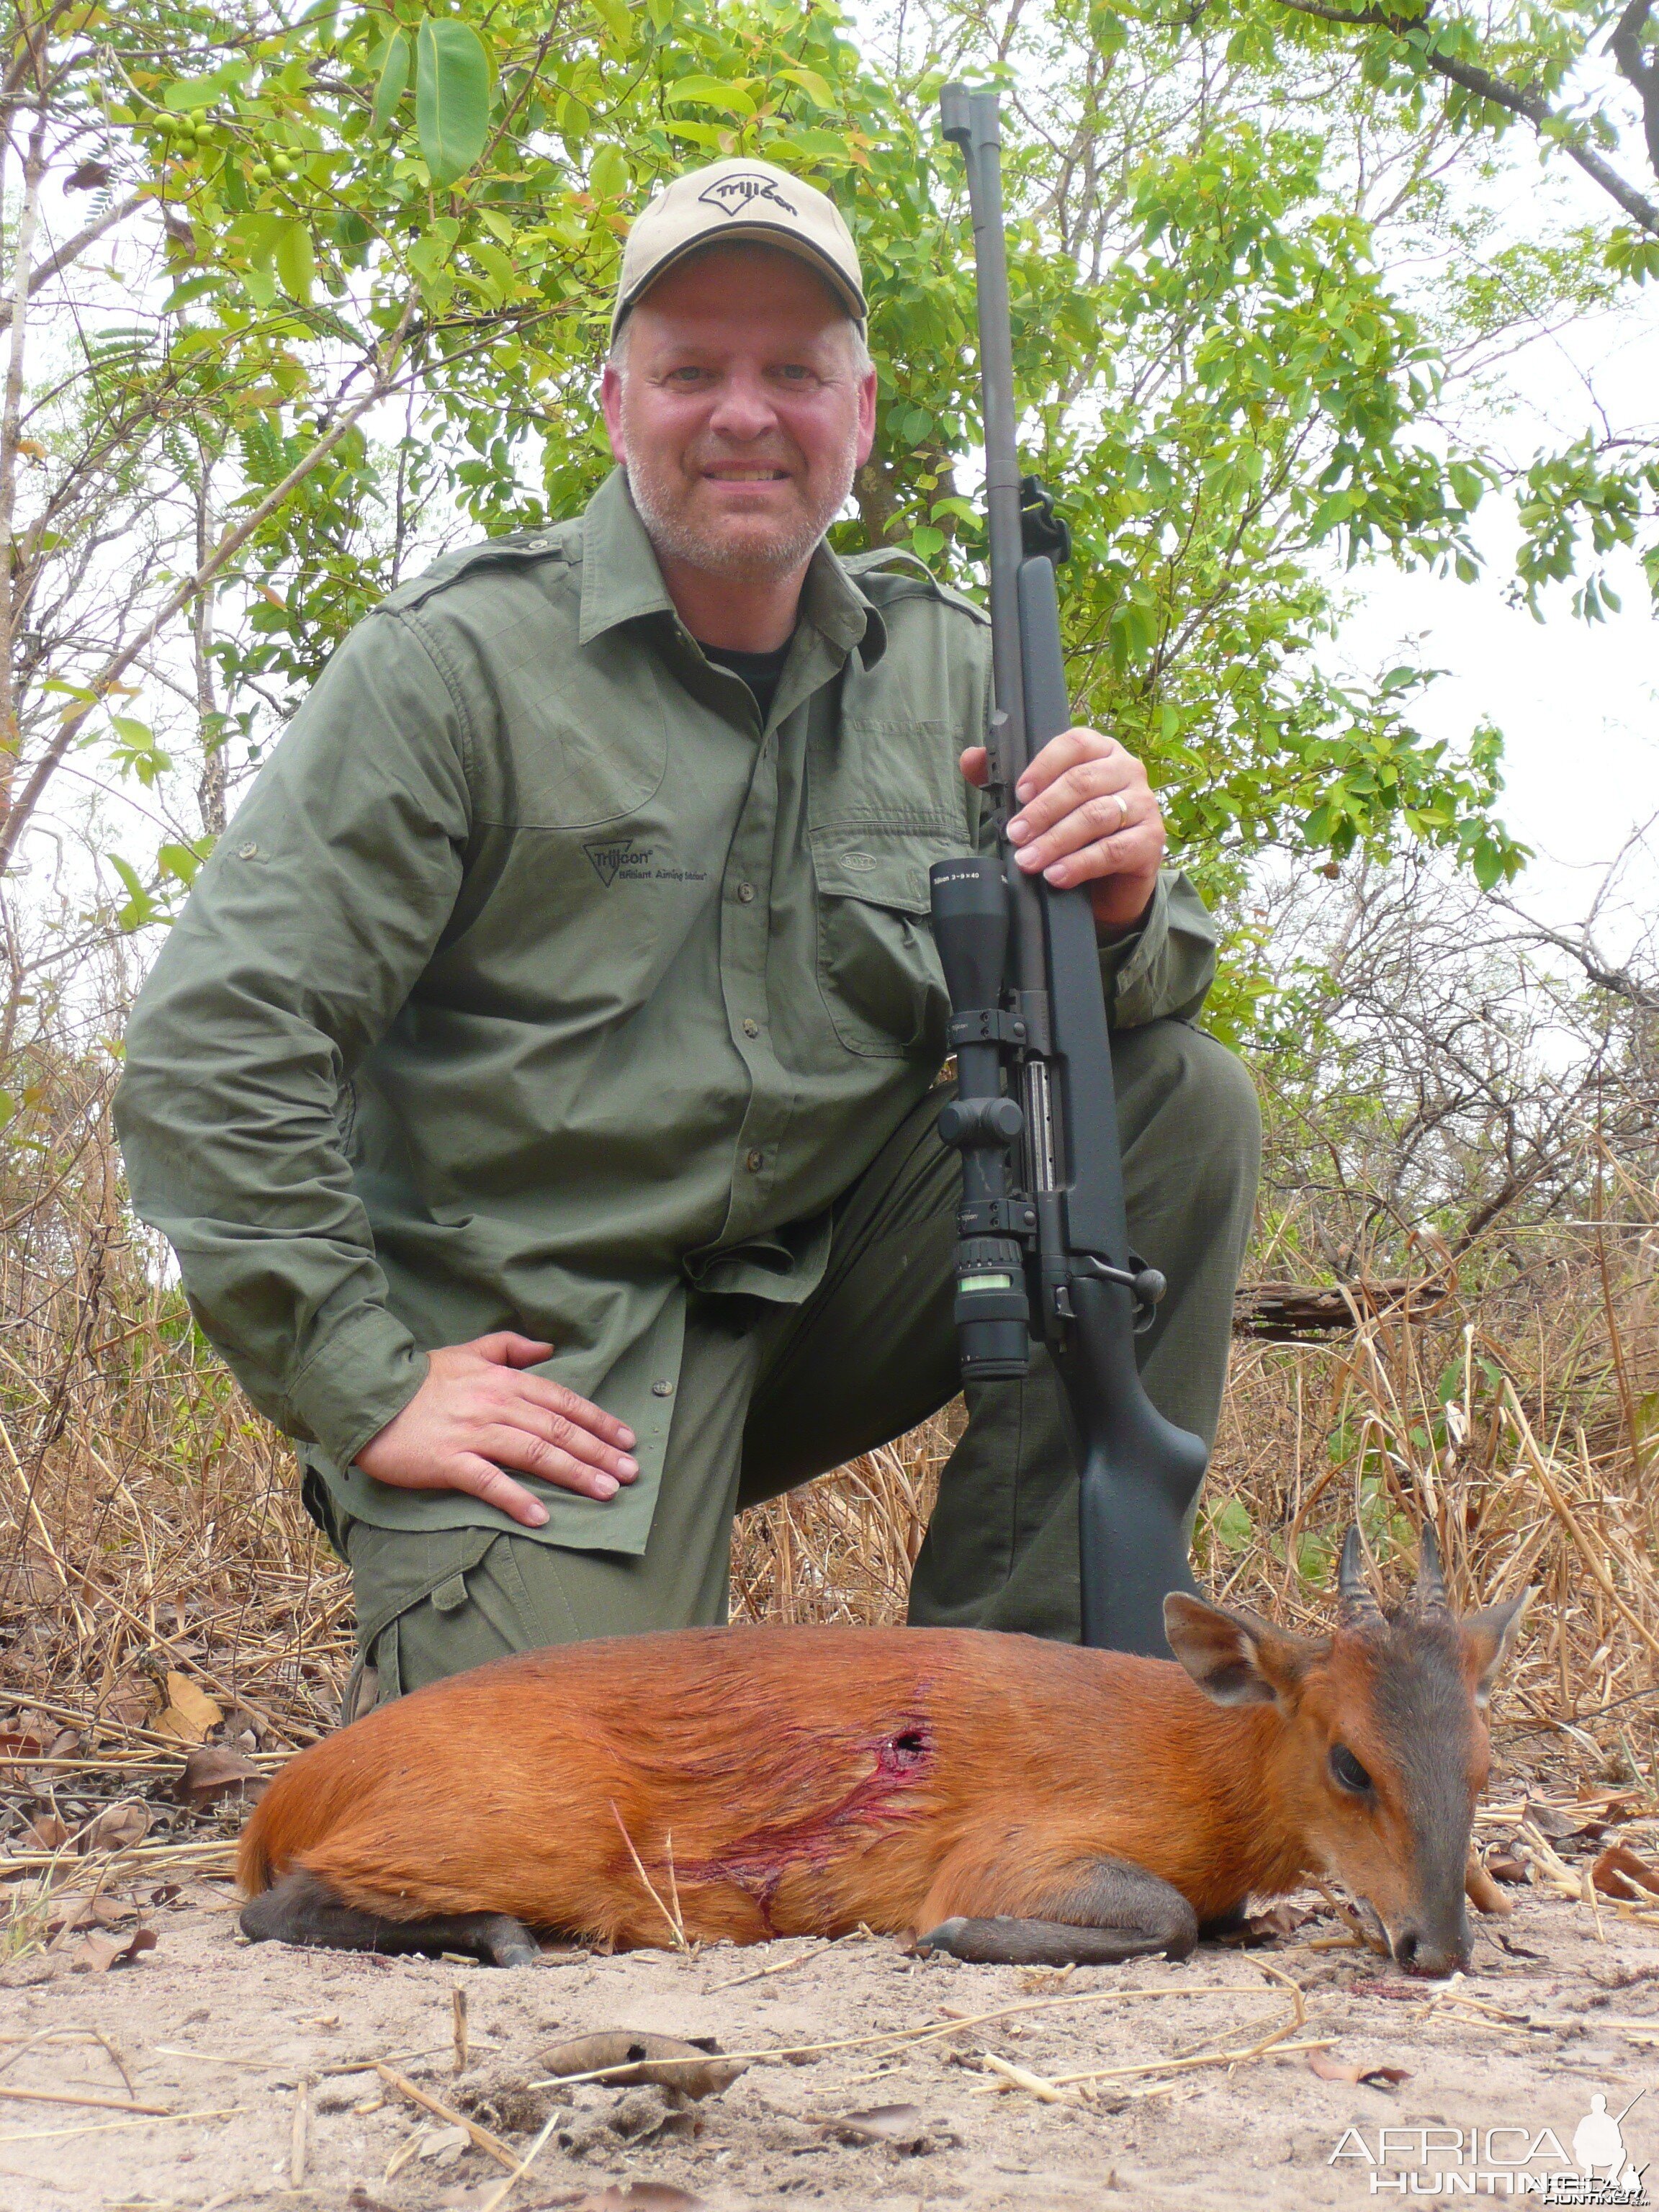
(740, 415)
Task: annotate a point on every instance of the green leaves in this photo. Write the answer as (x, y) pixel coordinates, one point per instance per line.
(295, 261)
(610, 177)
(452, 98)
(711, 92)
(393, 80)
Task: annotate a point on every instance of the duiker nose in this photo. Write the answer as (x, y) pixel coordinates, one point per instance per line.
(1420, 1952)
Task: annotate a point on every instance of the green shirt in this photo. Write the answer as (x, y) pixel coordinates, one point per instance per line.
(537, 981)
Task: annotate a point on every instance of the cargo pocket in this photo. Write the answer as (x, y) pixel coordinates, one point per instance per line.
(428, 1606)
(879, 970)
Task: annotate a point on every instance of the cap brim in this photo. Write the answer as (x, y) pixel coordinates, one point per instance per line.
(761, 234)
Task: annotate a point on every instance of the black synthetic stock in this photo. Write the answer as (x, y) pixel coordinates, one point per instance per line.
(1056, 1209)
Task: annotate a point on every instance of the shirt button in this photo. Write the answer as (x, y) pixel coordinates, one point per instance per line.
(751, 1029)
(753, 1162)
(662, 1389)
(746, 893)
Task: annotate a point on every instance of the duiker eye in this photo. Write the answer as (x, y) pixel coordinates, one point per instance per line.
(1346, 1772)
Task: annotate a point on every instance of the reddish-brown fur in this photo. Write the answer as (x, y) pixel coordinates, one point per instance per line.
(788, 1782)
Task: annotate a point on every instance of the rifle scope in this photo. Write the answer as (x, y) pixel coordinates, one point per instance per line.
(993, 1313)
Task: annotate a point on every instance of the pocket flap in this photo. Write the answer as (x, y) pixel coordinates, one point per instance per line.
(887, 868)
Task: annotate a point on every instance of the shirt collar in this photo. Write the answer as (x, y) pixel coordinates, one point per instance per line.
(621, 580)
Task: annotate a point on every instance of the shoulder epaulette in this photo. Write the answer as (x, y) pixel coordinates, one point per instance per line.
(913, 579)
(516, 549)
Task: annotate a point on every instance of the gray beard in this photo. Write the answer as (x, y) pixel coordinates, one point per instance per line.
(719, 557)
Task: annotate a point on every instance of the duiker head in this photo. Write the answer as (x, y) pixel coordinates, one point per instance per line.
(1384, 1750)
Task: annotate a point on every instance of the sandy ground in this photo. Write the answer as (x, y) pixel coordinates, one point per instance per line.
(264, 2054)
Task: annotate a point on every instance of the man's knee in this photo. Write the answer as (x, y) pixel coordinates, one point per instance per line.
(1183, 1096)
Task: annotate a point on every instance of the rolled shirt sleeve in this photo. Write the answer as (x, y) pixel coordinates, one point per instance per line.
(301, 938)
(1162, 969)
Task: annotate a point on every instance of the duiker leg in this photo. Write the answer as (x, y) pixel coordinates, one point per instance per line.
(1112, 1910)
(302, 1909)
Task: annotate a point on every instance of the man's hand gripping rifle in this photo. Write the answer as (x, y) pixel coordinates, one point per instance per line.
(1044, 1246)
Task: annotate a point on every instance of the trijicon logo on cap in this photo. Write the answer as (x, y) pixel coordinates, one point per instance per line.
(731, 195)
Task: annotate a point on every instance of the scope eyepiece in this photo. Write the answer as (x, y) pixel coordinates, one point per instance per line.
(992, 1314)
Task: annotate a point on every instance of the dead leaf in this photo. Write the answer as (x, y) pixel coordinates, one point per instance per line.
(118, 1828)
(1502, 1864)
(47, 1833)
(900, 2125)
(130, 1706)
(13, 1744)
(1276, 1924)
(1621, 1873)
(88, 177)
(1550, 1821)
(211, 1773)
(98, 1953)
(445, 2144)
(189, 1713)
(1374, 2077)
(78, 1910)
(696, 2069)
(640, 2197)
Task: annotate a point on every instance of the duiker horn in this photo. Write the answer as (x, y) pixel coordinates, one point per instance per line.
(1429, 1591)
(1358, 1607)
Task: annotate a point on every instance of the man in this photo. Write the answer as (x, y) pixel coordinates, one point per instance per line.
(536, 1088)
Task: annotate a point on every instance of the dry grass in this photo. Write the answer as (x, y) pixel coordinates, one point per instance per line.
(149, 1525)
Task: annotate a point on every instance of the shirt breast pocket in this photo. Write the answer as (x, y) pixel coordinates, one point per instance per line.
(879, 970)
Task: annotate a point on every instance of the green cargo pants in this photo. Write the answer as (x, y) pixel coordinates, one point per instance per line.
(769, 1397)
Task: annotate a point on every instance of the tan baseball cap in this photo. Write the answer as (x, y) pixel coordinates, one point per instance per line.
(739, 199)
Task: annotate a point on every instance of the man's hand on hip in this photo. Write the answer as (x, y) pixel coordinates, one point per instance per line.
(1087, 816)
(475, 1413)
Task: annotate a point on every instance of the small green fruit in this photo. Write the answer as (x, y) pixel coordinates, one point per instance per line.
(260, 173)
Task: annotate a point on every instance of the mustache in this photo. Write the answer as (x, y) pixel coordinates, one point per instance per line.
(715, 453)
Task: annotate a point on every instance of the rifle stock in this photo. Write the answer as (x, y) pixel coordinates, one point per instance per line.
(1044, 1241)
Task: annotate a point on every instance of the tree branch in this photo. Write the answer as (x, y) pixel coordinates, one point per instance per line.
(1531, 107)
(73, 248)
(17, 818)
(1639, 71)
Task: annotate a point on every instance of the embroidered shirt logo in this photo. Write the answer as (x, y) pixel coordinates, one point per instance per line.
(621, 857)
(860, 861)
(731, 195)
(633, 863)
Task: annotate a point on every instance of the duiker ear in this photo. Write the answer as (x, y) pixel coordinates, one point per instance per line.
(1491, 1636)
(1234, 1658)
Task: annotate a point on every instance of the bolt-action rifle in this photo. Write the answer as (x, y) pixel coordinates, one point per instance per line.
(1043, 1246)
